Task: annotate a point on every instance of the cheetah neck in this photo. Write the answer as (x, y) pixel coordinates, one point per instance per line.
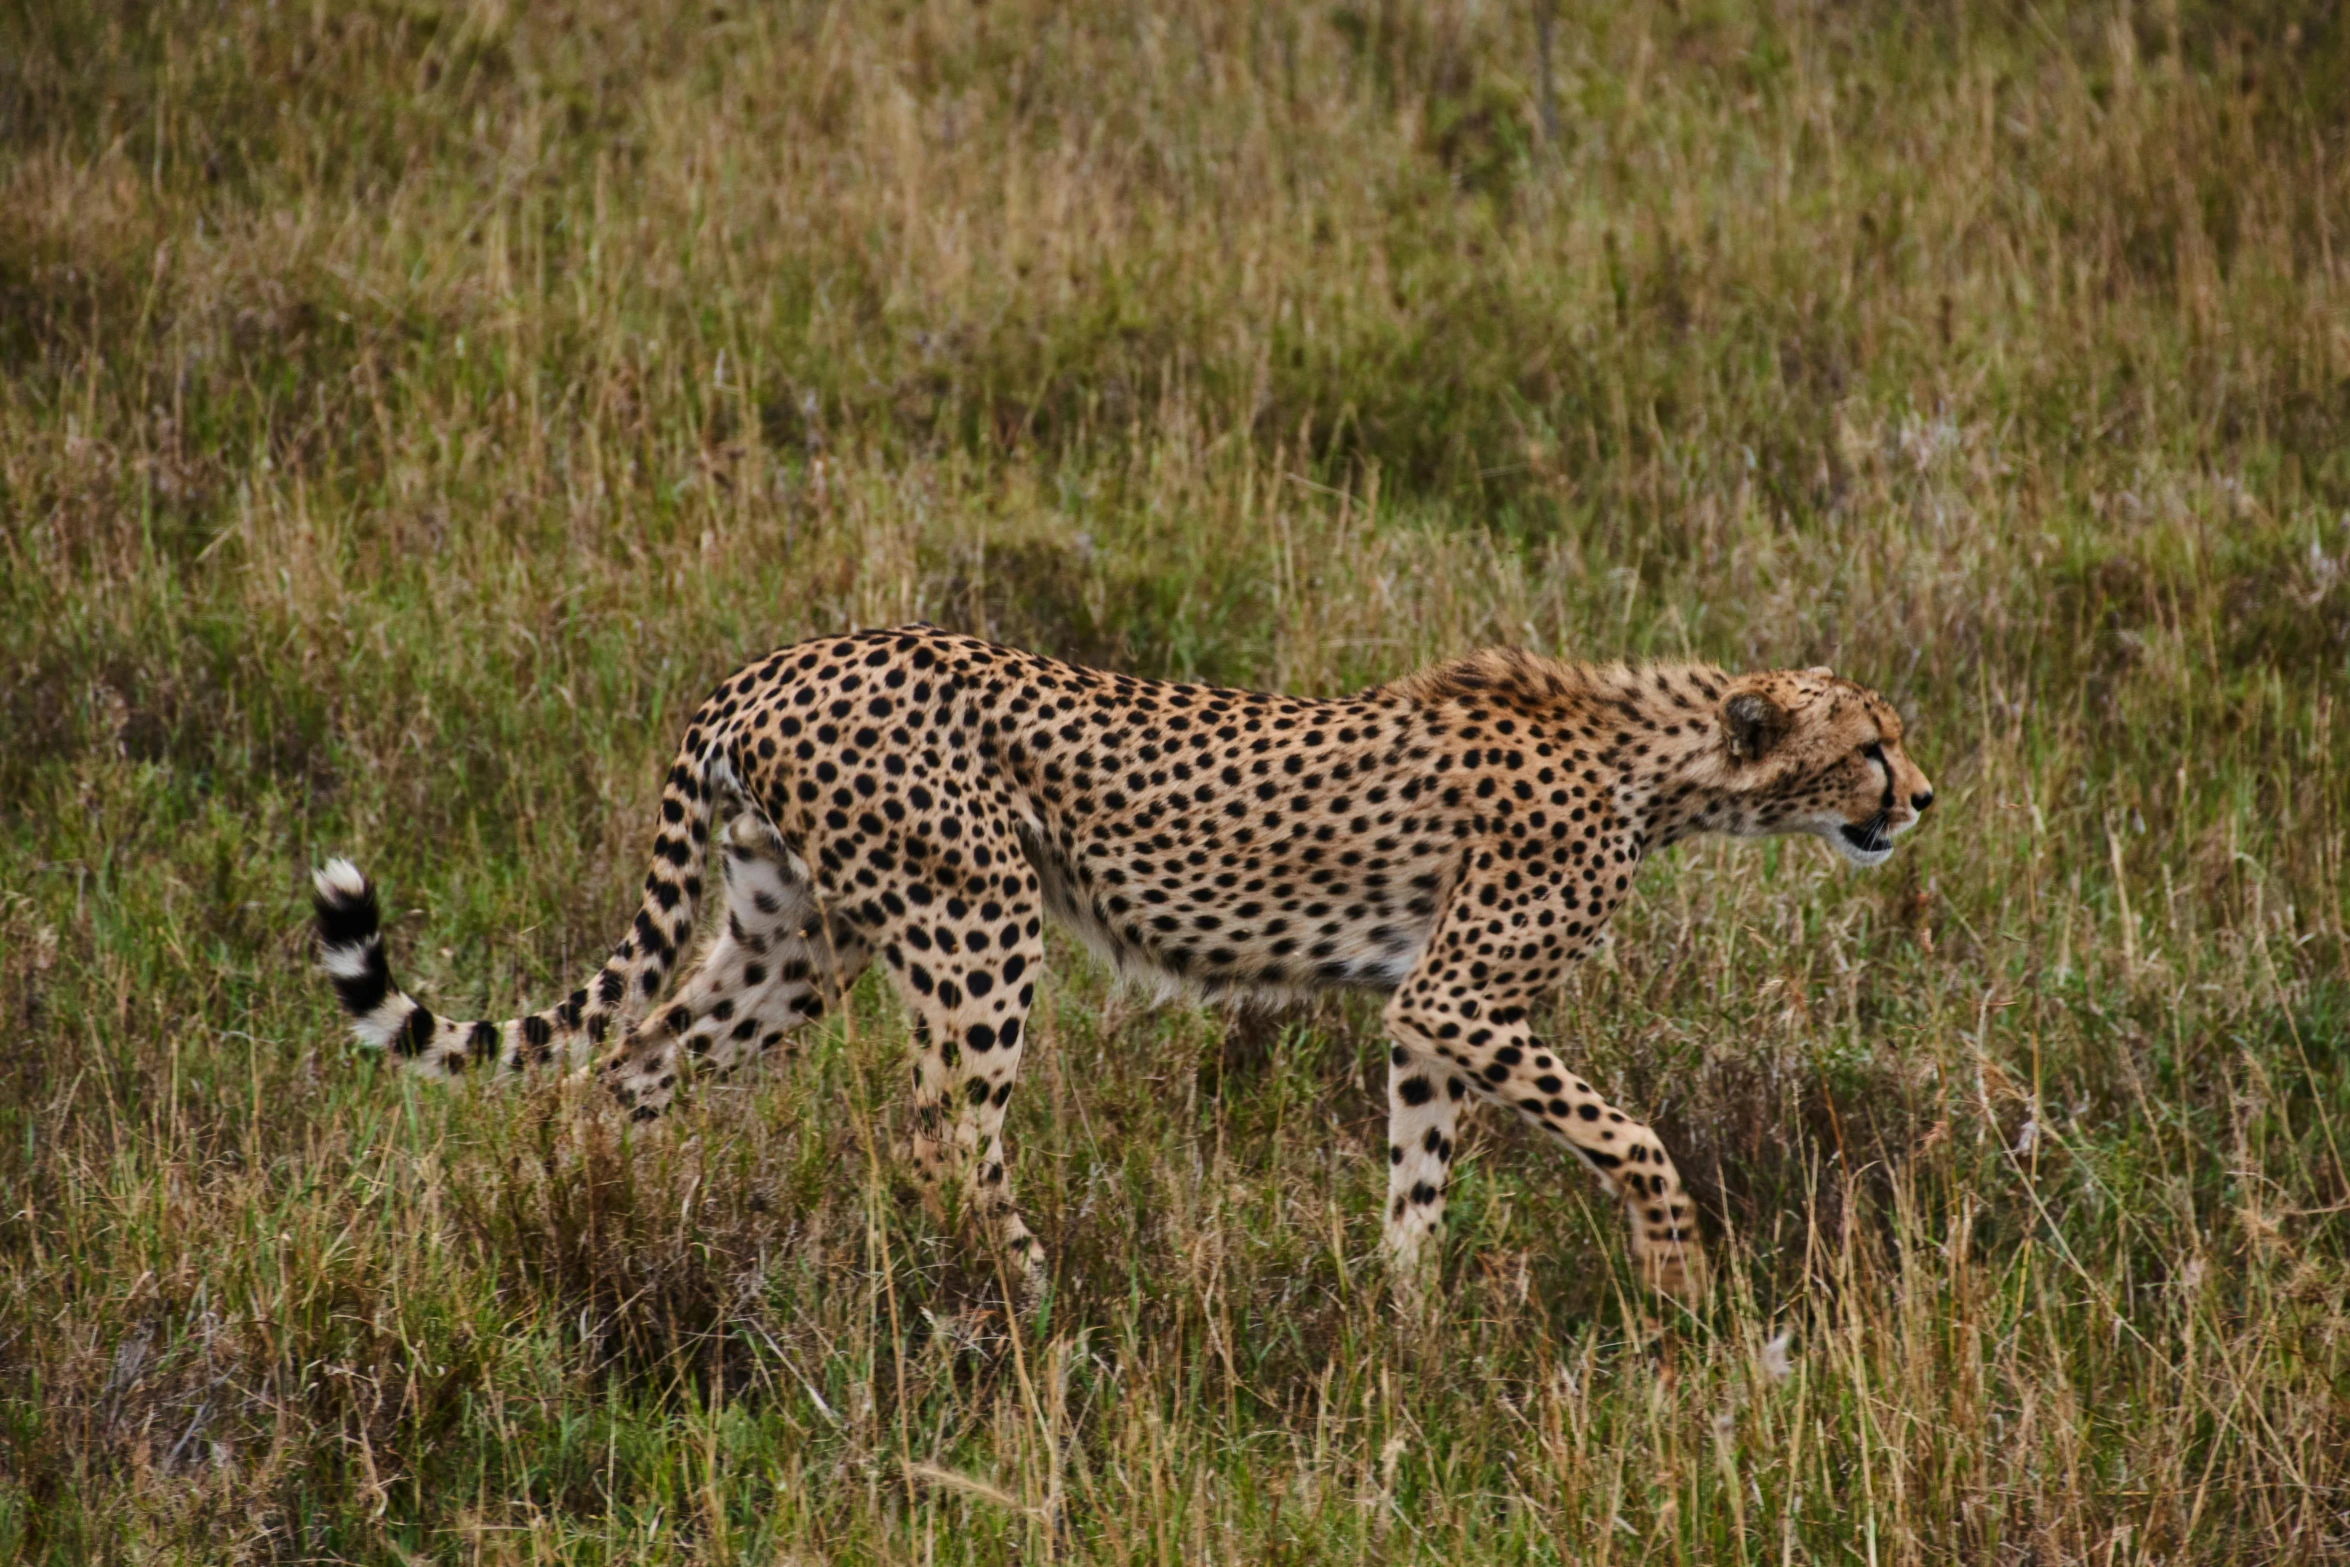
(1650, 732)
(1675, 775)
(1650, 736)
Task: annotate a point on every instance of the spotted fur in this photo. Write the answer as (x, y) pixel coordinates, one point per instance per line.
(1451, 840)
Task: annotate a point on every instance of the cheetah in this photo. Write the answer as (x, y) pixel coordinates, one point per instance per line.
(1450, 840)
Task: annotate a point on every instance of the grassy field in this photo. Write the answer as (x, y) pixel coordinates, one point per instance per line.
(408, 410)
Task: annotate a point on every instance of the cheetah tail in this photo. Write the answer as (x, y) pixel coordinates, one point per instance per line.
(385, 1017)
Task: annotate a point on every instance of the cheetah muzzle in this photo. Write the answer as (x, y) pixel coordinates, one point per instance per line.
(1451, 840)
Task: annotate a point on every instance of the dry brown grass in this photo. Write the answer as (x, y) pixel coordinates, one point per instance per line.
(405, 413)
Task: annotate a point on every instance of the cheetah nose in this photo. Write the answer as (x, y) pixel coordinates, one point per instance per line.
(1920, 800)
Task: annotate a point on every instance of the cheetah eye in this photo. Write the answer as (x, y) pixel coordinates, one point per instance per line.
(1875, 752)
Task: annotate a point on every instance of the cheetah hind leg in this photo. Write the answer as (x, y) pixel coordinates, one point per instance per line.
(771, 970)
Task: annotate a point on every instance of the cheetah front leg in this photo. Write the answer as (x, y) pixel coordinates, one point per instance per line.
(1424, 1102)
(970, 997)
(1509, 1067)
(1630, 1161)
(1458, 1022)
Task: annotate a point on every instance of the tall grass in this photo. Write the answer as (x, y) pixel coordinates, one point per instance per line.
(406, 412)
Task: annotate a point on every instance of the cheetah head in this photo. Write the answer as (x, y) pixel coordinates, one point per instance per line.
(1808, 752)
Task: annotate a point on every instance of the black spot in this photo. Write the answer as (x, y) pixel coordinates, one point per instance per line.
(345, 920)
(416, 1033)
(365, 991)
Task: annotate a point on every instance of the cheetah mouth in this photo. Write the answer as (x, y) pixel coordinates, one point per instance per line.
(1866, 843)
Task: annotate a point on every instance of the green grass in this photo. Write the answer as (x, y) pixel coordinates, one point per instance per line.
(406, 413)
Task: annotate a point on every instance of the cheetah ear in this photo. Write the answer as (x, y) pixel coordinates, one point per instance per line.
(1754, 722)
